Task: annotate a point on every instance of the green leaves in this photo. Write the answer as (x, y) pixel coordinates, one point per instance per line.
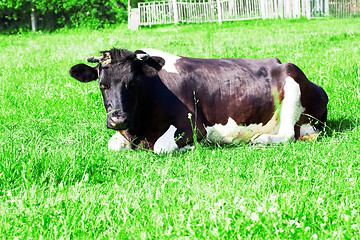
(52, 14)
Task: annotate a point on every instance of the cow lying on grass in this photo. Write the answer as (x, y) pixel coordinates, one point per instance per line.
(157, 100)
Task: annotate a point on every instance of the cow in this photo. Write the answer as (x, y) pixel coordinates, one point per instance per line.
(162, 102)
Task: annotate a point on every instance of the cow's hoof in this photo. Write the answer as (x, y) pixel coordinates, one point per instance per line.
(262, 139)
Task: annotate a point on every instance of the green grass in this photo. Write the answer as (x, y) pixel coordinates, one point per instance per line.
(58, 180)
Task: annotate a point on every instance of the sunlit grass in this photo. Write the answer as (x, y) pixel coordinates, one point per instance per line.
(57, 178)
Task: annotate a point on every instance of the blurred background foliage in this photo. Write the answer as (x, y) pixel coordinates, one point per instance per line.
(15, 15)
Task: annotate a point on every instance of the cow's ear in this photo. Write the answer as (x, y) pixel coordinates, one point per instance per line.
(155, 62)
(159, 60)
(83, 73)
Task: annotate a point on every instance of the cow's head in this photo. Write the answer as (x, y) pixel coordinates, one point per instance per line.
(119, 72)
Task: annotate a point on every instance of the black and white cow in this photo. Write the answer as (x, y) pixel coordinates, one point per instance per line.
(155, 99)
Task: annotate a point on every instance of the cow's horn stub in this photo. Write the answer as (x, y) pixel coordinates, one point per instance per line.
(93, 59)
(142, 56)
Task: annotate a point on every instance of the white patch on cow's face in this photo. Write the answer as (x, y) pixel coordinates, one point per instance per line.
(291, 110)
(118, 142)
(234, 133)
(170, 59)
(166, 142)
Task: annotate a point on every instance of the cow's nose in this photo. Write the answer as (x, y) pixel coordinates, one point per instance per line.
(118, 123)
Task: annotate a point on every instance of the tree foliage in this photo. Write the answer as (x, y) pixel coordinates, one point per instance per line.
(134, 3)
(52, 14)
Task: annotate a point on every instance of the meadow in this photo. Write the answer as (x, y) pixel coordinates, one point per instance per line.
(59, 181)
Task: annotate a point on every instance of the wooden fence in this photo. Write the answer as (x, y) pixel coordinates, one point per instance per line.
(196, 11)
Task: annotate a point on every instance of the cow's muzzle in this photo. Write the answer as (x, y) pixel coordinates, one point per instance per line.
(118, 123)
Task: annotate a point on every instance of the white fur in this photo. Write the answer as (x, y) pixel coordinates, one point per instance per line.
(291, 110)
(166, 142)
(170, 59)
(307, 129)
(118, 142)
(234, 133)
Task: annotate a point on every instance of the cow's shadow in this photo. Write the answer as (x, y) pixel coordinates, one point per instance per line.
(338, 125)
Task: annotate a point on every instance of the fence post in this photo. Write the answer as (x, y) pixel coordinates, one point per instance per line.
(326, 7)
(308, 9)
(33, 20)
(219, 11)
(296, 8)
(288, 12)
(134, 19)
(262, 9)
(176, 13)
(281, 9)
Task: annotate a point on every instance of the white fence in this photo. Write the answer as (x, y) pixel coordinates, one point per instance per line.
(344, 8)
(196, 11)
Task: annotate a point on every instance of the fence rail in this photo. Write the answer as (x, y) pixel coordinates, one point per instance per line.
(192, 11)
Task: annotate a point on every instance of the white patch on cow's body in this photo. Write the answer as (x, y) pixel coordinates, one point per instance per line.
(166, 142)
(234, 133)
(118, 142)
(169, 58)
(291, 110)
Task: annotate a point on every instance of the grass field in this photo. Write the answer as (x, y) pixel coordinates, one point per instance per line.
(58, 180)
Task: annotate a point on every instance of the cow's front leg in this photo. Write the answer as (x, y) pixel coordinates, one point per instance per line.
(177, 138)
(118, 142)
(166, 142)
